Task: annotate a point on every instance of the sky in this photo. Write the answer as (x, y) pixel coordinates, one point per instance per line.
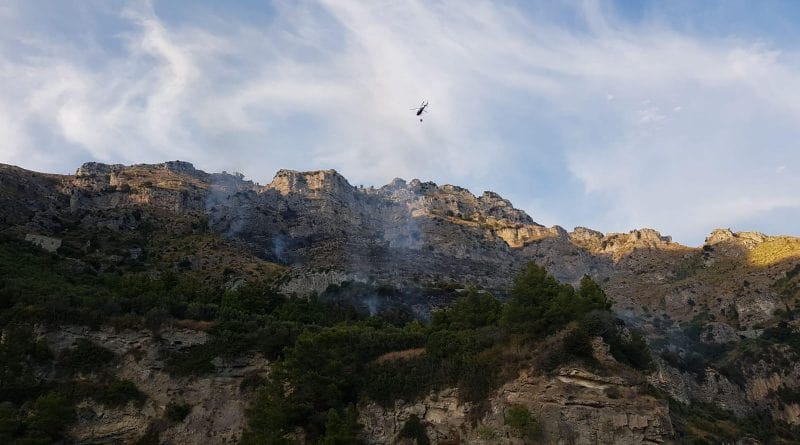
(676, 115)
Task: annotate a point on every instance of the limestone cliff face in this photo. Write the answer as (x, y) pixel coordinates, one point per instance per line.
(571, 405)
(412, 232)
(176, 186)
(574, 406)
(312, 183)
(217, 401)
(404, 231)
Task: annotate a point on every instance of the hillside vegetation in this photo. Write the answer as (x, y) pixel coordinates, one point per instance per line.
(178, 306)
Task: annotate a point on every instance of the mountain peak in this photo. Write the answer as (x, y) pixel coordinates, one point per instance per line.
(100, 168)
(291, 181)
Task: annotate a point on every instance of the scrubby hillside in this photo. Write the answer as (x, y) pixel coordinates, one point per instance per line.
(155, 303)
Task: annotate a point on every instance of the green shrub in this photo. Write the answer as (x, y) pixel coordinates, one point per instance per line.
(407, 379)
(788, 396)
(554, 359)
(783, 333)
(86, 357)
(577, 343)
(195, 360)
(485, 433)
(176, 412)
(20, 356)
(538, 304)
(118, 393)
(478, 378)
(626, 346)
(51, 414)
(342, 427)
(521, 422)
(707, 423)
(633, 351)
(326, 369)
(471, 311)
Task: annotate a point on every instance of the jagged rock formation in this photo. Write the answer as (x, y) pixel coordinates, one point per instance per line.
(404, 231)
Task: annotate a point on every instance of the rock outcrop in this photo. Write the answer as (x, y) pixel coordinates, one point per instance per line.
(574, 406)
(217, 402)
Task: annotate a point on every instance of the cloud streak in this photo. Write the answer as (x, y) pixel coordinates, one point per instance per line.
(595, 120)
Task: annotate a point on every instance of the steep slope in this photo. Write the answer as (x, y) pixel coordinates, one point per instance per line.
(721, 318)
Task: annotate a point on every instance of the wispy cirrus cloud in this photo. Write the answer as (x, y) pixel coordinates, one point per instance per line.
(573, 112)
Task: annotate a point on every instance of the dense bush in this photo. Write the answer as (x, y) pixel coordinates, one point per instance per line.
(45, 422)
(342, 427)
(471, 311)
(325, 370)
(783, 333)
(522, 423)
(51, 414)
(36, 286)
(577, 343)
(541, 305)
(705, 423)
(626, 345)
(408, 379)
(176, 412)
(86, 357)
(118, 393)
(195, 360)
(20, 356)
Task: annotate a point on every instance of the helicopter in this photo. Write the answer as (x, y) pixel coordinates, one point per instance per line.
(421, 108)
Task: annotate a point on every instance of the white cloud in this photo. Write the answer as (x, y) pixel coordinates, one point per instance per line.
(650, 115)
(668, 129)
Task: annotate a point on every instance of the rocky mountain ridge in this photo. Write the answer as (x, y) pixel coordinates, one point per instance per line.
(410, 216)
(410, 233)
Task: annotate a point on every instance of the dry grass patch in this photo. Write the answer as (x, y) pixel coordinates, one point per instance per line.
(406, 354)
(775, 250)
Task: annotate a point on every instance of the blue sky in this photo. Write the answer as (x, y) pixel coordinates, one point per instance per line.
(681, 116)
